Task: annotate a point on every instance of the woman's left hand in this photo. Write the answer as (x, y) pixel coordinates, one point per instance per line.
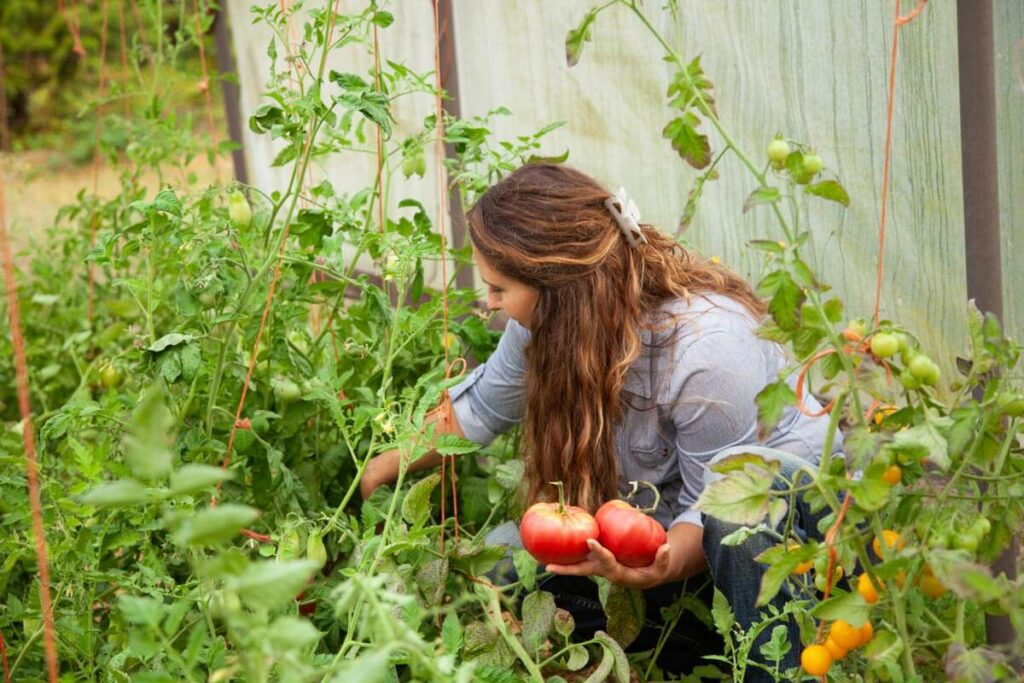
(602, 562)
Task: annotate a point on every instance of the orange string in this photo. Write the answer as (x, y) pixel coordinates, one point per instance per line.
(28, 436)
(442, 186)
(204, 84)
(73, 29)
(97, 157)
(802, 377)
(3, 658)
(898, 21)
(124, 56)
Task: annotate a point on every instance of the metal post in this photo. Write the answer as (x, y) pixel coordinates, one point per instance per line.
(981, 202)
(226, 64)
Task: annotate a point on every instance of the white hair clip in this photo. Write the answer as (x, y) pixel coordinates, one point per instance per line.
(627, 215)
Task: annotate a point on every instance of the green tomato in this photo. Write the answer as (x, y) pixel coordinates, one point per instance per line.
(908, 354)
(110, 375)
(813, 164)
(903, 341)
(288, 546)
(1010, 405)
(778, 150)
(414, 163)
(884, 345)
(239, 210)
(285, 390)
(981, 527)
(315, 549)
(908, 380)
(923, 368)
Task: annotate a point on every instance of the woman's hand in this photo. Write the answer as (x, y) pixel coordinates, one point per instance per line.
(602, 562)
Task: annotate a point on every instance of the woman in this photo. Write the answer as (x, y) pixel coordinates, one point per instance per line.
(626, 358)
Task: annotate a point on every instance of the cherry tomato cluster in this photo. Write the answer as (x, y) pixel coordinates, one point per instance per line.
(803, 165)
(556, 533)
(842, 638)
(918, 369)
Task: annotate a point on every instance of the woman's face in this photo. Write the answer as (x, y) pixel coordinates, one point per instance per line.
(513, 297)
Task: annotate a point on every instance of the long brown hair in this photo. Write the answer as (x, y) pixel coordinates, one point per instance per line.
(547, 226)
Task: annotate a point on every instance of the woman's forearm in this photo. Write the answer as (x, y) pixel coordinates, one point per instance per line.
(686, 543)
(383, 469)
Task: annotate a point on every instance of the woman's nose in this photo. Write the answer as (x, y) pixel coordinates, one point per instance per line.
(492, 302)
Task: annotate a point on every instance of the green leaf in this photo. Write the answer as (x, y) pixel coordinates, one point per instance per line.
(722, 614)
(509, 474)
(564, 622)
(576, 37)
(272, 584)
(382, 18)
(432, 578)
(215, 525)
(604, 669)
(193, 477)
(117, 493)
(771, 246)
(451, 634)
(778, 646)
(782, 561)
(538, 618)
(621, 668)
(691, 145)
(526, 568)
(762, 195)
(289, 633)
(578, 658)
(144, 611)
(150, 433)
(923, 441)
(742, 496)
(624, 607)
(785, 303)
(772, 402)
(169, 340)
(449, 444)
(830, 190)
(849, 607)
(416, 504)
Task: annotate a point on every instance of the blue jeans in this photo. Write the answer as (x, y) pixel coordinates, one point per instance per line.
(733, 571)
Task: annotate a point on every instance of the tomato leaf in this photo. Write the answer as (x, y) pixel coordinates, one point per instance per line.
(538, 619)
(621, 664)
(451, 634)
(117, 493)
(526, 568)
(691, 145)
(742, 496)
(576, 37)
(762, 195)
(215, 525)
(830, 190)
(849, 607)
(194, 477)
(772, 402)
(272, 584)
(624, 608)
(416, 504)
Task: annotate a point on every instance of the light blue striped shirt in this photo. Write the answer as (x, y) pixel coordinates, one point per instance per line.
(688, 396)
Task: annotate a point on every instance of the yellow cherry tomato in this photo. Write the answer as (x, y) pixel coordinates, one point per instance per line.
(816, 660)
(867, 632)
(867, 589)
(835, 650)
(893, 475)
(892, 541)
(845, 636)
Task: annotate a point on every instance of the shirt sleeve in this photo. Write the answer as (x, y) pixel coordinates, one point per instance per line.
(491, 399)
(718, 377)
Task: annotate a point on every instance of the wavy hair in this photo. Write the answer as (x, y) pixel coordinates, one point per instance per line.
(546, 225)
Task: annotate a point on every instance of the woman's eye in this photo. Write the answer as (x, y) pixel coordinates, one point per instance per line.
(496, 291)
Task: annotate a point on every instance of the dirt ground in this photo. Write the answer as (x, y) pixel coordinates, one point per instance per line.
(36, 185)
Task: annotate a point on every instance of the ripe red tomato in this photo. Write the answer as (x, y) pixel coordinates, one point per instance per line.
(632, 536)
(556, 533)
